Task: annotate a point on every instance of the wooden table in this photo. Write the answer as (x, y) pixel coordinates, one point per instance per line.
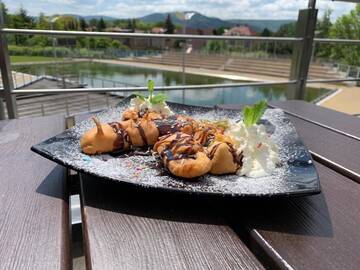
(34, 209)
(128, 228)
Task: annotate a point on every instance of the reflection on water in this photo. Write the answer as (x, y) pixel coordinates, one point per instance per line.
(108, 75)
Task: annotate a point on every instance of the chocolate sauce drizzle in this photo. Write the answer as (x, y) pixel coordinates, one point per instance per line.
(122, 136)
(237, 158)
(180, 140)
(142, 133)
(168, 126)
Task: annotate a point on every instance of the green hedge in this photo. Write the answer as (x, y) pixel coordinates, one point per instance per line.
(60, 51)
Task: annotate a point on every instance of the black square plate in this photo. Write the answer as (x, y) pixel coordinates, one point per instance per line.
(296, 175)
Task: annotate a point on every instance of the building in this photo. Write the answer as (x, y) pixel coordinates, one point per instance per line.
(240, 31)
(197, 43)
(158, 30)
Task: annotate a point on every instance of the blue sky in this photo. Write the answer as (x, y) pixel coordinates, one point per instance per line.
(225, 9)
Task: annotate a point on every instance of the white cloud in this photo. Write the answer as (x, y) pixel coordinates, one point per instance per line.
(226, 9)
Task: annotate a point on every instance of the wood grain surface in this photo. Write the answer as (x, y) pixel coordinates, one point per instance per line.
(336, 120)
(343, 151)
(129, 228)
(315, 232)
(126, 228)
(34, 218)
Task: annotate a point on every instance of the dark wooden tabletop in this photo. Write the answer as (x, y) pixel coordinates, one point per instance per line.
(126, 228)
(34, 212)
(129, 228)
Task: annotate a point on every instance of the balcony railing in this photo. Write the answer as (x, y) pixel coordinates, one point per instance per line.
(296, 83)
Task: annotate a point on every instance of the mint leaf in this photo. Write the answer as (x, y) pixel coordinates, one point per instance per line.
(252, 114)
(150, 86)
(159, 98)
(142, 97)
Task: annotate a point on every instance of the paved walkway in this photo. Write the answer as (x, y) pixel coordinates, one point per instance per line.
(21, 79)
(63, 61)
(346, 99)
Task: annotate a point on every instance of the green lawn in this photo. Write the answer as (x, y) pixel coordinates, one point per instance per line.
(24, 58)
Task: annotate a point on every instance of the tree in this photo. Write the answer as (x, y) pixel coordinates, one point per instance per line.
(220, 31)
(21, 19)
(285, 30)
(169, 26)
(101, 25)
(83, 24)
(93, 23)
(323, 27)
(67, 22)
(134, 24)
(347, 27)
(5, 14)
(129, 24)
(266, 33)
(42, 22)
(216, 46)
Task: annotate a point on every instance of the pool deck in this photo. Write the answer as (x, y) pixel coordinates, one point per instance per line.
(64, 61)
(346, 98)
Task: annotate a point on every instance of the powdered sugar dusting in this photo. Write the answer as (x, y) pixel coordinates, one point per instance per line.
(295, 173)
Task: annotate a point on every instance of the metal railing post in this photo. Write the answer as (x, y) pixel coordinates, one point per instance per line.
(42, 109)
(2, 109)
(107, 99)
(302, 51)
(67, 106)
(15, 80)
(7, 80)
(88, 102)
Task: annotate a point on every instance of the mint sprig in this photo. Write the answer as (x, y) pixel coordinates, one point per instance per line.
(159, 98)
(252, 114)
(151, 86)
(142, 97)
(153, 99)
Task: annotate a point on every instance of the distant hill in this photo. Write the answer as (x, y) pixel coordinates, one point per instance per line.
(88, 18)
(260, 25)
(98, 17)
(202, 21)
(197, 21)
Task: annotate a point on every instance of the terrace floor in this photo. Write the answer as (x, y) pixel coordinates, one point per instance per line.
(66, 104)
(346, 99)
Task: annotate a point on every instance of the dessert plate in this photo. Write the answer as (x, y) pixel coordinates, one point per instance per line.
(296, 174)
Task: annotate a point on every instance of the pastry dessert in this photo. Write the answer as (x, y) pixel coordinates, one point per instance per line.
(145, 131)
(188, 148)
(182, 155)
(104, 138)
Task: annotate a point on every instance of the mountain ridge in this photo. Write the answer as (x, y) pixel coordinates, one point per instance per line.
(201, 21)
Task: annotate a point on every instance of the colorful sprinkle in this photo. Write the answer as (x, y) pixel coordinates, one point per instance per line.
(86, 158)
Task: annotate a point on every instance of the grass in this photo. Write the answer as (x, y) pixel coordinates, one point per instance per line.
(24, 58)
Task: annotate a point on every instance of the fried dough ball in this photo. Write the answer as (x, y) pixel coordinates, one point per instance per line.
(130, 114)
(100, 139)
(183, 156)
(190, 168)
(223, 158)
